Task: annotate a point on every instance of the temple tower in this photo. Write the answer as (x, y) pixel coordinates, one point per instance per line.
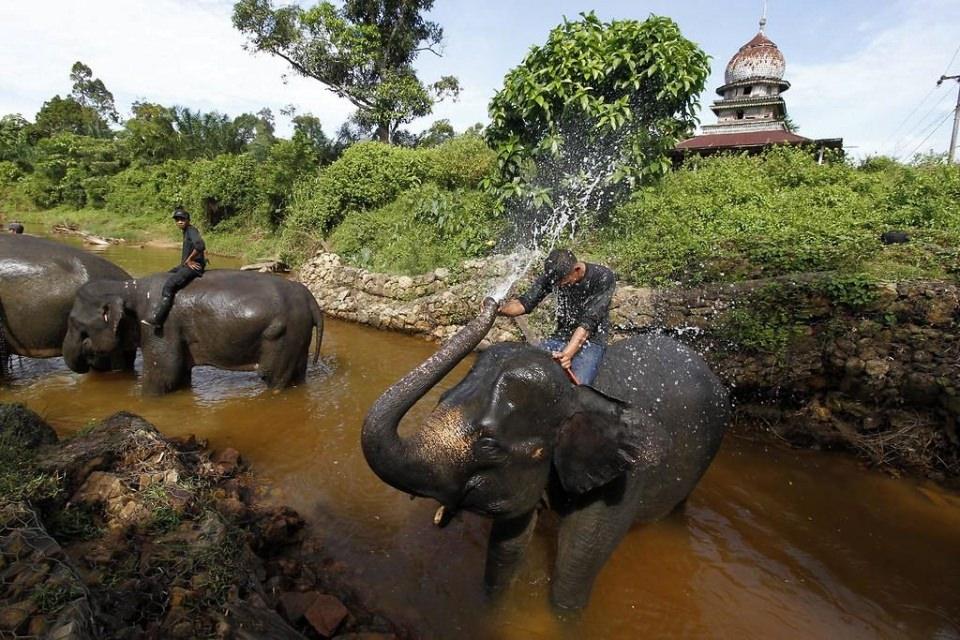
(751, 97)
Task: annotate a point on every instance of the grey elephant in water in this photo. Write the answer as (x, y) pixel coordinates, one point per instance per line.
(38, 281)
(514, 431)
(228, 319)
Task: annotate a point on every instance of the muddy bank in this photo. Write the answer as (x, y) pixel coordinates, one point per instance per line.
(818, 360)
(121, 532)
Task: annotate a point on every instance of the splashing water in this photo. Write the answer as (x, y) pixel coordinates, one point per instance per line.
(578, 178)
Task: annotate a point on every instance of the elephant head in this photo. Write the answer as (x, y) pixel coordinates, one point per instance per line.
(492, 440)
(95, 328)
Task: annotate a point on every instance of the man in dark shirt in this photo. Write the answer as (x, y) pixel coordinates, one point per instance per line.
(15, 227)
(193, 262)
(584, 292)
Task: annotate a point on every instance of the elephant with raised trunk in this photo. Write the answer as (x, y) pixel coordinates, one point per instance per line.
(514, 431)
(38, 281)
(229, 319)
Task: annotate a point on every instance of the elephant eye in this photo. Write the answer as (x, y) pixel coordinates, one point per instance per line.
(488, 448)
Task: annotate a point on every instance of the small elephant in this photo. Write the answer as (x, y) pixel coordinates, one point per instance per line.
(38, 281)
(515, 430)
(228, 319)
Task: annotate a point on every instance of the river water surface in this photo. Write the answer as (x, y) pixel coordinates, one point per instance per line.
(774, 543)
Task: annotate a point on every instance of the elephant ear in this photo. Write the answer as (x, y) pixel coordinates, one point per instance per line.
(599, 442)
(112, 311)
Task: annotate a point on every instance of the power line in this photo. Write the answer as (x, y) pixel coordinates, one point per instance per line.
(917, 107)
(932, 131)
(922, 123)
(951, 61)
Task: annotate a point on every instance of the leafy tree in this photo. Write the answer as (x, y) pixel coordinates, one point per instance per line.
(436, 134)
(363, 51)
(617, 93)
(149, 135)
(91, 92)
(66, 115)
(308, 131)
(14, 146)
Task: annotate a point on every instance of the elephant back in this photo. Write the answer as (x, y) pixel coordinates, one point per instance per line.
(684, 406)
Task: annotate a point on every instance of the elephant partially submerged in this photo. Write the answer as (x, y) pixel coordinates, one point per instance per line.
(515, 430)
(38, 281)
(228, 319)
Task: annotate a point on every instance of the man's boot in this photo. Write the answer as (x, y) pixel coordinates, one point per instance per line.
(160, 313)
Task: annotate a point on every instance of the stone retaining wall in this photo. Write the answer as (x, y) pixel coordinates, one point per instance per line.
(875, 369)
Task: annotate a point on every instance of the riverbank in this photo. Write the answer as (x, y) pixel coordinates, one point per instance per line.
(121, 532)
(251, 244)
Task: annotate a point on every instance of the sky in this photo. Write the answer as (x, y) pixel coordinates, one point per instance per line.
(860, 70)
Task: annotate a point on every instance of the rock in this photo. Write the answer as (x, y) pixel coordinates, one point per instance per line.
(294, 604)
(227, 461)
(15, 616)
(876, 368)
(25, 425)
(325, 615)
(366, 635)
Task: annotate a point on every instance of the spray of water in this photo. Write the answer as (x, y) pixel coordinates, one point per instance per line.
(578, 179)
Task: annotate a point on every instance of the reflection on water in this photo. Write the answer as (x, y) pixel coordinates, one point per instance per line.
(773, 543)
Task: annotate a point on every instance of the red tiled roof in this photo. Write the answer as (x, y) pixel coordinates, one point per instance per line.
(749, 139)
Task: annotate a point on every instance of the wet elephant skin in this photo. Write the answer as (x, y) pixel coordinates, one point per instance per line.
(38, 281)
(514, 429)
(229, 319)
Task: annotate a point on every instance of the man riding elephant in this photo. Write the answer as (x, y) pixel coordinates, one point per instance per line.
(584, 292)
(193, 262)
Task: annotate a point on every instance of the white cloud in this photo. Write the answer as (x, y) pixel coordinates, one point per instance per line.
(864, 96)
(166, 51)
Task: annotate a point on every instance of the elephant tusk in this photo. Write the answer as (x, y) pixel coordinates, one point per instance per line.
(442, 517)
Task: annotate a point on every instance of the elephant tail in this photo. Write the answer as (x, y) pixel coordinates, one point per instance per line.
(317, 315)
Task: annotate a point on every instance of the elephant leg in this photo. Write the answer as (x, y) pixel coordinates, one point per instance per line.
(508, 542)
(588, 536)
(164, 366)
(282, 363)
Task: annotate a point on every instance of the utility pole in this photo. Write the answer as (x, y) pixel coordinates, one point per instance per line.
(956, 117)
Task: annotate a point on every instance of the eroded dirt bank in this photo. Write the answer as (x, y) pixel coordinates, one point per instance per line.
(121, 532)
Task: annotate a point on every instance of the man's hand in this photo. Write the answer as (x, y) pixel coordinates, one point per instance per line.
(564, 360)
(511, 308)
(193, 265)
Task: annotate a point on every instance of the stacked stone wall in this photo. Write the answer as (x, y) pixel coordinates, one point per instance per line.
(876, 370)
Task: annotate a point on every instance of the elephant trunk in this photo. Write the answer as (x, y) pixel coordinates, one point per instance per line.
(73, 354)
(394, 460)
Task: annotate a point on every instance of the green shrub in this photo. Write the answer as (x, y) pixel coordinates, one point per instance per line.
(738, 217)
(462, 162)
(224, 187)
(153, 190)
(426, 227)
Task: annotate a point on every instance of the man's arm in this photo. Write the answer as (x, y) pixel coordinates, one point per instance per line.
(528, 301)
(198, 247)
(565, 357)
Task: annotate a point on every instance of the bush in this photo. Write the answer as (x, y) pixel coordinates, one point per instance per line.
(424, 228)
(224, 187)
(367, 175)
(738, 217)
(153, 190)
(462, 162)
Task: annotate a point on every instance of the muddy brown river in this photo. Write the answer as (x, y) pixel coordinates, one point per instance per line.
(774, 543)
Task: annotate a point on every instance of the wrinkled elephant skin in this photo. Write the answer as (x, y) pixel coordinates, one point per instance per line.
(629, 449)
(38, 281)
(228, 319)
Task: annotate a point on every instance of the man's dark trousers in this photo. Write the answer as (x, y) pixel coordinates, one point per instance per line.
(179, 278)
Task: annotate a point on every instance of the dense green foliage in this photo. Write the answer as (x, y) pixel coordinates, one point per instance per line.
(362, 51)
(738, 217)
(623, 91)
(424, 228)
(372, 175)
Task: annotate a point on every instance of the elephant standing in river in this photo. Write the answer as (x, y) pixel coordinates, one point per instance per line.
(515, 430)
(229, 319)
(38, 281)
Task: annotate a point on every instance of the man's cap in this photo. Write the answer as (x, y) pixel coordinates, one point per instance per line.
(180, 214)
(558, 264)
